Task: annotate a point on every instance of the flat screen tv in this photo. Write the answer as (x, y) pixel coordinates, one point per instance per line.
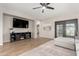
(18, 23)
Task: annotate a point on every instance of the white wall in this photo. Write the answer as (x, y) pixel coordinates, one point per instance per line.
(1, 26)
(6, 26)
(8, 23)
(46, 33)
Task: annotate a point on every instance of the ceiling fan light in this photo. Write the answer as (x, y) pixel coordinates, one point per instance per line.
(43, 7)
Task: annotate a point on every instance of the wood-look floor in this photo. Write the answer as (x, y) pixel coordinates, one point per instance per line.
(18, 47)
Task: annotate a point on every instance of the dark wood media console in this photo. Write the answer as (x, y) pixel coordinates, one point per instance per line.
(19, 36)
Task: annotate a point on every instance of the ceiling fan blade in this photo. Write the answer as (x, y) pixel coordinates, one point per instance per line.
(37, 7)
(42, 4)
(50, 7)
(42, 10)
(47, 3)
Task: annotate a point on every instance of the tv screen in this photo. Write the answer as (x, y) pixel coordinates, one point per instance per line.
(18, 23)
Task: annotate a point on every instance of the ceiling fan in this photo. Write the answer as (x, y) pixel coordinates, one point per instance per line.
(44, 6)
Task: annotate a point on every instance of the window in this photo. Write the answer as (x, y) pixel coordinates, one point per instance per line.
(66, 28)
(70, 29)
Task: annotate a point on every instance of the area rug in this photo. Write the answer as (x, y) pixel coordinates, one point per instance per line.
(49, 49)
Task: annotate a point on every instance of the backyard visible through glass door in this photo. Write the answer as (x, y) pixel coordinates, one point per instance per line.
(70, 29)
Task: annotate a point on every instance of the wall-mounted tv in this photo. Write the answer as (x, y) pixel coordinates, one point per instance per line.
(19, 23)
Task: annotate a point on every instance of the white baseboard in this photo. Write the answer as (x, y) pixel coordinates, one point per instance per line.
(6, 41)
(1, 44)
(46, 38)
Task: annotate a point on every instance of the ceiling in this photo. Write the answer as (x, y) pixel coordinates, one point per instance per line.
(60, 9)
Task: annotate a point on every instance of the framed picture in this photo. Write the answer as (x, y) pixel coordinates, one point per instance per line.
(47, 28)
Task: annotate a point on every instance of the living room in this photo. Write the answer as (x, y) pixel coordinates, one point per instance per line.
(40, 29)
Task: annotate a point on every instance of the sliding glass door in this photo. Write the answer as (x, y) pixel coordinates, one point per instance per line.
(70, 29)
(67, 28)
(59, 30)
